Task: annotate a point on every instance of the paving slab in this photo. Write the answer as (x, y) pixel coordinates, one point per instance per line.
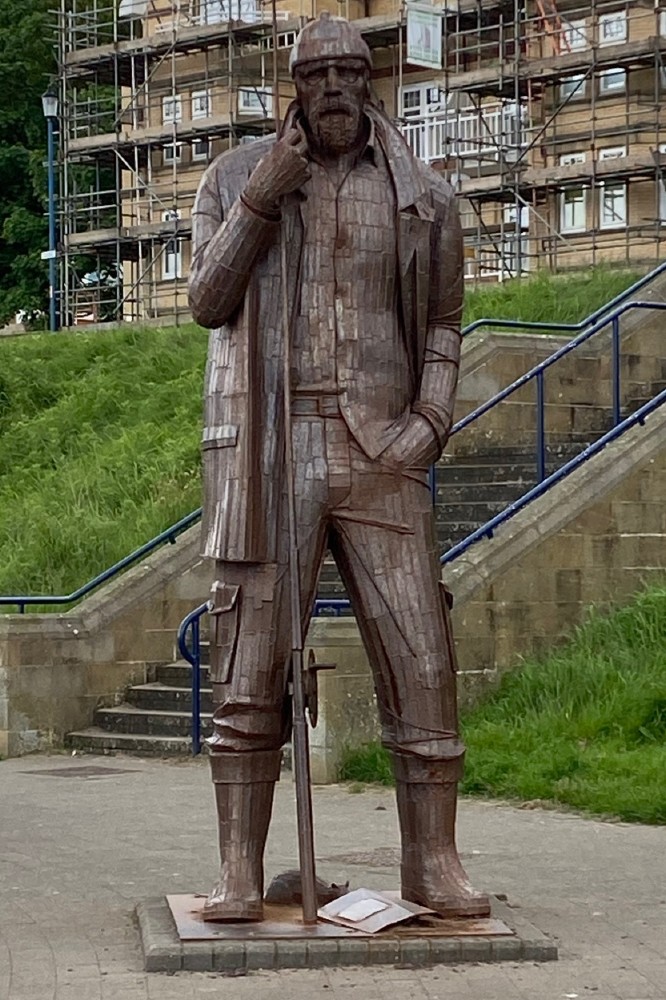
(79, 852)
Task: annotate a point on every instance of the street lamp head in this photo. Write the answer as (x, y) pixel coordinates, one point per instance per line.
(50, 102)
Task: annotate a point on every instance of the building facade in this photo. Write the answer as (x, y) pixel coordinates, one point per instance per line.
(547, 120)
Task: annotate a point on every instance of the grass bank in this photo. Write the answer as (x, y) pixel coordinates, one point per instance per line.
(546, 298)
(584, 727)
(99, 449)
(99, 432)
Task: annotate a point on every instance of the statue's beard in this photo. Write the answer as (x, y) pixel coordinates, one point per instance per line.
(337, 130)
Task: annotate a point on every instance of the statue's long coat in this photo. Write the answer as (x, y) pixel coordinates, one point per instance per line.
(235, 289)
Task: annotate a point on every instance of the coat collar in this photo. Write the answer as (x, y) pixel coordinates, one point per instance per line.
(411, 188)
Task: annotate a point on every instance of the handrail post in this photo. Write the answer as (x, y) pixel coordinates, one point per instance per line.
(540, 429)
(193, 657)
(617, 375)
(196, 687)
(432, 483)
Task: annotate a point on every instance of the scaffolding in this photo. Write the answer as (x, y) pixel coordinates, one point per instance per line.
(547, 120)
(552, 134)
(147, 98)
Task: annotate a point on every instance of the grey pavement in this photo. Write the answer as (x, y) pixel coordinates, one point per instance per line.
(79, 850)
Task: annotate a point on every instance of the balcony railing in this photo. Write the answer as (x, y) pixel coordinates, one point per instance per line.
(491, 134)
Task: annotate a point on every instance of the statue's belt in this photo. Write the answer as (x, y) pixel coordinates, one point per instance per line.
(324, 404)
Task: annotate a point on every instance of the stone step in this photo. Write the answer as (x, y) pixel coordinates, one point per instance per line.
(453, 532)
(179, 674)
(519, 457)
(129, 719)
(158, 697)
(467, 511)
(333, 588)
(471, 471)
(490, 492)
(99, 741)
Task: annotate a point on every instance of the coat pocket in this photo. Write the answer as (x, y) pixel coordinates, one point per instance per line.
(446, 598)
(225, 609)
(222, 436)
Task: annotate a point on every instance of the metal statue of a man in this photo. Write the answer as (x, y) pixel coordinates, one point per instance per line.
(374, 275)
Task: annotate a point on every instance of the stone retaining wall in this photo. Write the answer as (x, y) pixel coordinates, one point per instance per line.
(594, 538)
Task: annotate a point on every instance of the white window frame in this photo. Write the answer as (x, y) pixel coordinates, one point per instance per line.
(223, 11)
(608, 35)
(176, 148)
(510, 215)
(431, 100)
(573, 227)
(172, 260)
(605, 87)
(574, 35)
(255, 102)
(568, 86)
(662, 190)
(566, 159)
(172, 109)
(201, 104)
(612, 220)
(201, 155)
(612, 153)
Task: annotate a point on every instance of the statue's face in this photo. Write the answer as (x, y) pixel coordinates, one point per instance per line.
(332, 93)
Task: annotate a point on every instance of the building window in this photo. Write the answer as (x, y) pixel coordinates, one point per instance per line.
(612, 153)
(613, 206)
(573, 211)
(613, 28)
(200, 149)
(511, 214)
(568, 158)
(172, 261)
(662, 185)
(172, 109)
(573, 88)
(662, 23)
(255, 101)
(172, 153)
(423, 100)
(202, 104)
(574, 35)
(612, 81)
(221, 11)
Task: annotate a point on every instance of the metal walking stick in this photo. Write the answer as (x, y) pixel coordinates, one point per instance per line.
(300, 740)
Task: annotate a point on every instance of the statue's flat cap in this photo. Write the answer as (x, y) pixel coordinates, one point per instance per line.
(329, 37)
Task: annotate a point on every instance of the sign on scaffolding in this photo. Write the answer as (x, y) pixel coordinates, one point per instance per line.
(424, 36)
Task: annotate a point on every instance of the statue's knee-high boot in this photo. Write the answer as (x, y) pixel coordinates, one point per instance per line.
(431, 871)
(244, 788)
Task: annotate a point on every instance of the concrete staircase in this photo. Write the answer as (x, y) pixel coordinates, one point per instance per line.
(474, 483)
(154, 719)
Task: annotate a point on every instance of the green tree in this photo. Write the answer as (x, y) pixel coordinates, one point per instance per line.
(27, 63)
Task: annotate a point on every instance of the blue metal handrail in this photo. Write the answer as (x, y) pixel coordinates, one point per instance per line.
(537, 373)
(337, 606)
(169, 535)
(487, 530)
(516, 324)
(192, 653)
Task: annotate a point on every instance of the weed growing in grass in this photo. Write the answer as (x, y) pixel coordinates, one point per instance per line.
(585, 727)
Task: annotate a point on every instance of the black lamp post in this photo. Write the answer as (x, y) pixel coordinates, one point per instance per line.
(50, 108)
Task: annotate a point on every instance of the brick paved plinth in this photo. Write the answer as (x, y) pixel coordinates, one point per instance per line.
(281, 942)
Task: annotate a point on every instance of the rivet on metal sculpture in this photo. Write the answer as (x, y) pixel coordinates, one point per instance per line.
(328, 263)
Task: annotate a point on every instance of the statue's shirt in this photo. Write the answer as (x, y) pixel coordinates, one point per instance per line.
(347, 337)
